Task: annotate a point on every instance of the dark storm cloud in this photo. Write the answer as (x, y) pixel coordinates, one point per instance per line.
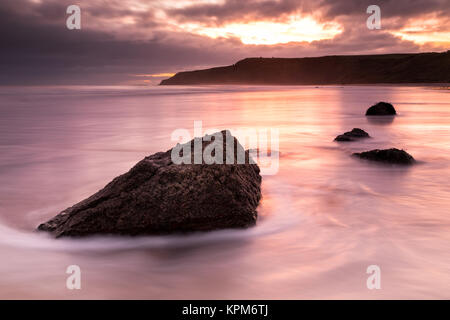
(238, 10)
(389, 8)
(36, 51)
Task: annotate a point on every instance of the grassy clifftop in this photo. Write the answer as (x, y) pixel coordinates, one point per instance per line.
(362, 69)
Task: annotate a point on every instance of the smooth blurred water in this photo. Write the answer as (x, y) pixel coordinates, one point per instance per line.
(324, 218)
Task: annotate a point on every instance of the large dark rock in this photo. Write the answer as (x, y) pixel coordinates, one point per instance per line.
(394, 156)
(158, 196)
(353, 135)
(381, 109)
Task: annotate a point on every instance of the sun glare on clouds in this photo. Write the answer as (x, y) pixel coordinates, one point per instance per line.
(296, 29)
(425, 31)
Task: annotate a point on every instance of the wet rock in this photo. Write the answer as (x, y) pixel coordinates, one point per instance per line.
(353, 135)
(394, 156)
(381, 109)
(158, 196)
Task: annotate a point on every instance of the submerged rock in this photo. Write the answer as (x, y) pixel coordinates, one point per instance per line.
(353, 135)
(381, 109)
(394, 156)
(158, 196)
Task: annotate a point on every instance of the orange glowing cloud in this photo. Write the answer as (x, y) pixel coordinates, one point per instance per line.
(155, 75)
(295, 29)
(425, 31)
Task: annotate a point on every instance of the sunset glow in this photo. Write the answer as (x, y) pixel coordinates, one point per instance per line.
(427, 31)
(155, 75)
(239, 154)
(145, 41)
(296, 29)
(267, 23)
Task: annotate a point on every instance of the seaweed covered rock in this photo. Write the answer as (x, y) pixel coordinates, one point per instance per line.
(161, 196)
(353, 135)
(381, 109)
(393, 155)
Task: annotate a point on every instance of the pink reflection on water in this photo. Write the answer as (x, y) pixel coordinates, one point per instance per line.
(324, 217)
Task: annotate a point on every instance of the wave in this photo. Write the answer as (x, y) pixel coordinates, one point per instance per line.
(275, 218)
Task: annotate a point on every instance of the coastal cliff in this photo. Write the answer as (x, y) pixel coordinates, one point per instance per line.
(358, 69)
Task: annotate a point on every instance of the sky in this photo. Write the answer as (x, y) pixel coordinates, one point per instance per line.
(142, 42)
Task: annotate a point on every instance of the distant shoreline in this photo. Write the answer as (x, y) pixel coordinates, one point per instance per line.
(388, 69)
(445, 86)
(442, 86)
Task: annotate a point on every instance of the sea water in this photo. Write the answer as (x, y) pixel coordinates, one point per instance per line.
(324, 217)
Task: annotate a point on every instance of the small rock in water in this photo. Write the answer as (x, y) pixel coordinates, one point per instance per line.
(381, 109)
(158, 196)
(353, 135)
(394, 156)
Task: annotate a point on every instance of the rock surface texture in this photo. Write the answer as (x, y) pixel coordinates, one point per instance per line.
(158, 196)
(394, 156)
(353, 135)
